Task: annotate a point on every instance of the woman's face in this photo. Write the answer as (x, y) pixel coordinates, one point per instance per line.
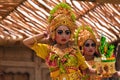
(62, 34)
(89, 47)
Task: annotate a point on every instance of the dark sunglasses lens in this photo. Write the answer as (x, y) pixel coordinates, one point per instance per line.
(60, 32)
(93, 44)
(87, 45)
(67, 32)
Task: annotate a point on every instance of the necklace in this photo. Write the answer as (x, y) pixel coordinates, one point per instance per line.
(61, 51)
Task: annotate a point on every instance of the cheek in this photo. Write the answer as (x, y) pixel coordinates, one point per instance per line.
(94, 49)
(67, 36)
(57, 37)
(85, 49)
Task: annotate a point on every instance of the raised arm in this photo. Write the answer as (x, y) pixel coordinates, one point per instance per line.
(31, 40)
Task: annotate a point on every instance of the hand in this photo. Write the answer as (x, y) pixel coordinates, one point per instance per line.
(46, 34)
(45, 38)
(116, 74)
(92, 71)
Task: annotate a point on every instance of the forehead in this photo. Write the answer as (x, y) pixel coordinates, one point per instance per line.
(62, 28)
(89, 41)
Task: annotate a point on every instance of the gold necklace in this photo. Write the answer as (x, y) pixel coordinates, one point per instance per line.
(61, 52)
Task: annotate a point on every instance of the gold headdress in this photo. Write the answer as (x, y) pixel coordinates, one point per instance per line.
(61, 15)
(82, 34)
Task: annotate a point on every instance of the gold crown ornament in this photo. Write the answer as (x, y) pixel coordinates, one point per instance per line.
(61, 14)
(82, 34)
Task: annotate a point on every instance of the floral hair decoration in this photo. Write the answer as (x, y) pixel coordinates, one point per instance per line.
(82, 34)
(61, 14)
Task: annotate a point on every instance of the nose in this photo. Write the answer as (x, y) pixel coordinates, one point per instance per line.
(64, 35)
(91, 47)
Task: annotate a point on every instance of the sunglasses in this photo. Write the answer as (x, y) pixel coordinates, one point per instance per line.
(88, 45)
(60, 32)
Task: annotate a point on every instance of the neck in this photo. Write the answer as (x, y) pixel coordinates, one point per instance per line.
(62, 46)
(89, 57)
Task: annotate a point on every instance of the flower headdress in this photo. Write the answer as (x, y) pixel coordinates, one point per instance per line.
(82, 34)
(61, 15)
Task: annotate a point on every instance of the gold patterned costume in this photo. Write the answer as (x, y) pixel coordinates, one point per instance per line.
(105, 67)
(66, 66)
(82, 34)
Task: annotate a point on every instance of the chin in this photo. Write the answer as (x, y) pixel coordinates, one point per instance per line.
(63, 43)
(90, 53)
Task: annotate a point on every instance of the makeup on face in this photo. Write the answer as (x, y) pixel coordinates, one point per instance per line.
(60, 32)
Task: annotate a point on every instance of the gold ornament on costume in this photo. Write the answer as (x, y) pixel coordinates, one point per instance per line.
(61, 15)
(82, 34)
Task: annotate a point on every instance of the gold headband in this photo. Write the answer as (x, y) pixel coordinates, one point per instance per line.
(82, 34)
(62, 15)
